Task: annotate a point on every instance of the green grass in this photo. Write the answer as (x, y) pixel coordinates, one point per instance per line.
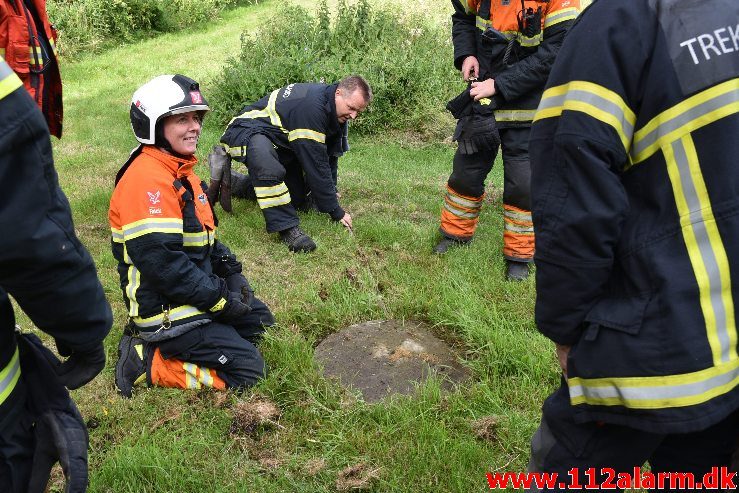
(173, 441)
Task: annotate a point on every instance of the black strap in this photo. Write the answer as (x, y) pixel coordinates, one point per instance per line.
(484, 10)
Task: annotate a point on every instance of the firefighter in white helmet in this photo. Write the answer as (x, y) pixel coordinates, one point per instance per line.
(193, 318)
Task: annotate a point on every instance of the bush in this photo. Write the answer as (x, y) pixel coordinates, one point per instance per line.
(408, 63)
(87, 25)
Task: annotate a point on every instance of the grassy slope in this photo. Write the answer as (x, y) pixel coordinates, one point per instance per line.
(166, 440)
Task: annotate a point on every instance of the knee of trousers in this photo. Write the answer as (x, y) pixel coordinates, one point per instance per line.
(517, 184)
(469, 173)
(245, 372)
(262, 160)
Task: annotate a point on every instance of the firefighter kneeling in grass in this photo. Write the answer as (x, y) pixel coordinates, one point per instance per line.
(193, 318)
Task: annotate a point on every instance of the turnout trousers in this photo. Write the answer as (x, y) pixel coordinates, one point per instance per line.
(560, 444)
(278, 183)
(214, 355)
(466, 190)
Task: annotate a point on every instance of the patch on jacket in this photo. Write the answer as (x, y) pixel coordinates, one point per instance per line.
(155, 197)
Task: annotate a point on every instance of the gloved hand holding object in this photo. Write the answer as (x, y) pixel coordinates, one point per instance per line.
(234, 308)
(476, 128)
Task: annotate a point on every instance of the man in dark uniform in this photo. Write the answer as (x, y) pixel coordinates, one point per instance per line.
(290, 141)
(634, 177)
(51, 276)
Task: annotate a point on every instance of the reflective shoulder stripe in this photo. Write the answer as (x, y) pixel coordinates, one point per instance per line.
(557, 16)
(306, 133)
(152, 225)
(9, 376)
(660, 392)
(592, 99)
(274, 118)
(691, 114)
(9, 81)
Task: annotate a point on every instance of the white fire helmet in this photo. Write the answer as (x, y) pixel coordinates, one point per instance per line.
(161, 97)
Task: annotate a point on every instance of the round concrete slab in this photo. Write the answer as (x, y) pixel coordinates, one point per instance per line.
(384, 357)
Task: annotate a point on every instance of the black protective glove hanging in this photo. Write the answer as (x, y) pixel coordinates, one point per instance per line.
(60, 431)
(237, 283)
(476, 128)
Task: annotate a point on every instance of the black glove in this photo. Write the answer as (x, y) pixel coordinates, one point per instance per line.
(475, 133)
(237, 283)
(60, 431)
(234, 307)
(80, 367)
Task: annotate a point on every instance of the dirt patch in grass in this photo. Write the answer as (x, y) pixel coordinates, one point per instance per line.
(357, 477)
(253, 416)
(385, 357)
(486, 428)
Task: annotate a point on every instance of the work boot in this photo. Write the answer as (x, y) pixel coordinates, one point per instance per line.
(516, 271)
(296, 240)
(216, 164)
(130, 369)
(446, 243)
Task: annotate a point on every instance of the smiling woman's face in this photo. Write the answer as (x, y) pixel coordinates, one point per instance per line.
(182, 132)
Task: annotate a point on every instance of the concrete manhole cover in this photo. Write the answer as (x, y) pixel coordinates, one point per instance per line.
(384, 357)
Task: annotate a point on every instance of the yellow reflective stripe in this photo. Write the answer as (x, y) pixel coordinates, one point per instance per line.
(117, 235)
(691, 114)
(517, 215)
(237, 151)
(9, 376)
(152, 225)
(274, 201)
(205, 377)
(593, 100)
(461, 213)
(306, 133)
(218, 306)
(659, 392)
(191, 376)
(530, 42)
(514, 115)
(705, 248)
(561, 15)
(2, 52)
(271, 108)
(133, 278)
(460, 201)
(270, 191)
(53, 46)
(196, 239)
(9, 81)
(482, 24)
(178, 313)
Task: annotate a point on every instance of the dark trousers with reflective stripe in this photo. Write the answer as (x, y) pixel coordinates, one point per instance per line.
(470, 171)
(278, 182)
(230, 349)
(561, 444)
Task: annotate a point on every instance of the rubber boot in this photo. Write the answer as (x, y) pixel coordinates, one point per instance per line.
(216, 164)
(516, 271)
(446, 243)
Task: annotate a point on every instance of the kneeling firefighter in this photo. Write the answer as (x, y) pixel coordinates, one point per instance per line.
(193, 319)
(52, 278)
(505, 50)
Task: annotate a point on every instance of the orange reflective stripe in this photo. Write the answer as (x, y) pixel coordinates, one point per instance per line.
(178, 374)
(459, 214)
(518, 235)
